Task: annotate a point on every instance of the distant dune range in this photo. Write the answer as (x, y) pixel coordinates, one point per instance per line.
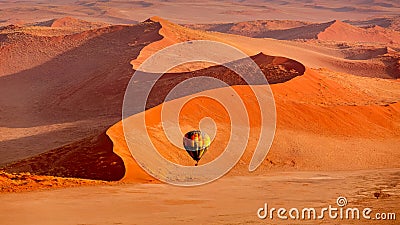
(335, 110)
(383, 30)
(209, 11)
(375, 38)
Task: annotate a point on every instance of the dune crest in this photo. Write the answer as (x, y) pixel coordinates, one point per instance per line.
(328, 112)
(336, 56)
(74, 23)
(335, 30)
(340, 31)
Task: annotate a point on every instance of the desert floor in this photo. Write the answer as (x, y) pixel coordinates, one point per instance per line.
(230, 200)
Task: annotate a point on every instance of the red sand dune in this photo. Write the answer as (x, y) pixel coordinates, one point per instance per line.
(250, 28)
(89, 158)
(28, 182)
(341, 57)
(73, 23)
(293, 29)
(209, 11)
(326, 112)
(93, 157)
(64, 88)
(281, 29)
(321, 126)
(327, 120)
(340, 31)
(392, 23)
(330, 31)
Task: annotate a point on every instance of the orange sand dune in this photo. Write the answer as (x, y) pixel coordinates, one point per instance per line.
(56, 90)
(89, 158)
(327, 118)
(392, 23)
(335, 45)
(249, 28)
(34, 46)
(29, 182)
(72, 22)
(323, 124)
(340, 31)
(341, 57)
(292, 30)
(208, 11)
(94, 155)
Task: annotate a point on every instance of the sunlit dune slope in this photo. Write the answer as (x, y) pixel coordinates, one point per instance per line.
(326, 121)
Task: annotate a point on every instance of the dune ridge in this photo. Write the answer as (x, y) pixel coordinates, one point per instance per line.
(331, 55)
(100, 161)
(382, 31)
(124, 11)
(331, 125)
(346, 114)
(340, 31)
(71, 22)
(337, 118)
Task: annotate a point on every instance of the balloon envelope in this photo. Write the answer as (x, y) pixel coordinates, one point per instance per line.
(196, 143)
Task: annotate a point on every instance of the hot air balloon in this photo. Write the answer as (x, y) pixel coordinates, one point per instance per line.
(196, 144)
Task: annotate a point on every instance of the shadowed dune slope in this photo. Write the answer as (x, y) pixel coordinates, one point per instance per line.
(64, 88)
(392, 23)
(275, 69)
(89, 158)
(249, 28)
(310, 31)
